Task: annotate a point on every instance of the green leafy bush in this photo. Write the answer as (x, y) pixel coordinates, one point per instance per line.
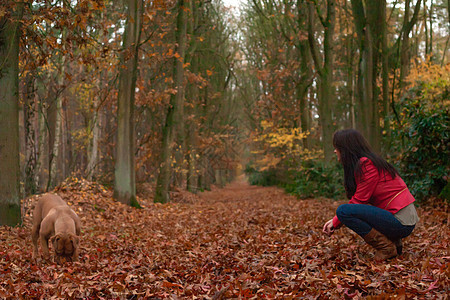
(262, 178)
(316, 178)
(313, 178)
(423, 136)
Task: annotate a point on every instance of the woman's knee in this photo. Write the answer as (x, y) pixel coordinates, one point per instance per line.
(343, 211)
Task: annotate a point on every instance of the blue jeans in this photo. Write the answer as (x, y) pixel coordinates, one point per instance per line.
(361, 218)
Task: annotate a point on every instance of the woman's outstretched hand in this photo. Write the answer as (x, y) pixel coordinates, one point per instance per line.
(328, 228)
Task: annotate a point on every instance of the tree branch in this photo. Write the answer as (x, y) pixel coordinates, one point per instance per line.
(312, 43)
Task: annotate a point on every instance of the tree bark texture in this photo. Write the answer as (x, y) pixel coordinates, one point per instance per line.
(30, 140)
(174, 119)
(306, 74)
(324, 67)
(124, 175)
(367, 15)
(10, 213)
(385, 76)
(405, 54)
(191, 128)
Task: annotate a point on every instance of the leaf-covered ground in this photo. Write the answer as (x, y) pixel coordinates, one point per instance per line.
(236, 242)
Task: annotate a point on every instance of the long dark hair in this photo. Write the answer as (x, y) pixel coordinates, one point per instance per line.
(352, 146)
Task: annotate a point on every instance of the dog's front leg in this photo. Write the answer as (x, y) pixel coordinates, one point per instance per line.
(44, 246)
(47, 230)
(75, 254)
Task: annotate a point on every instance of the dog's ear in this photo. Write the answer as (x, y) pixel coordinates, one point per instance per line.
(75, 240)
(55, 239)
(52, 239)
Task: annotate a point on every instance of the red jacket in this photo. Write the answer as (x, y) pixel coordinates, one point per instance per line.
(379, 190)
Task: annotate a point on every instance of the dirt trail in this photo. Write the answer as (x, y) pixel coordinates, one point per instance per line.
(237, 242)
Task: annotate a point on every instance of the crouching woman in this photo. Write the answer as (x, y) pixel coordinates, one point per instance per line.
(381, 208)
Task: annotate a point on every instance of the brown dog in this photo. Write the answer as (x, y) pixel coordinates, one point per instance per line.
(53, 219)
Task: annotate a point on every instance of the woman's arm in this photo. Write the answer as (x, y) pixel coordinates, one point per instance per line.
(365, 186)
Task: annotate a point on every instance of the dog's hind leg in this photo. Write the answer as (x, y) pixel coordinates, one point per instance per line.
(37, 219)
(76, 246)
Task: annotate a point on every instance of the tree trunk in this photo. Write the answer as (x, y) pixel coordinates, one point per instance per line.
(325, 71)
(29, 116)
(363, 84)
(43, 146)
(10, 213)
(304, 114)
(405, 46)
(174, 119)
(425, 23)
(328, 97)
(404, 53)
(385, 77)
(366, 18)
(192, 135)
(55, 150)
(56, 172)
(193, 90)
(125, 175)
(306, 75)
(93, 155)
(351, 80)
(374, 15)
(430, 51)
(50, 111)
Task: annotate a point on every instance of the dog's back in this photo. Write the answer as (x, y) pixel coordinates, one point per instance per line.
(45, 204)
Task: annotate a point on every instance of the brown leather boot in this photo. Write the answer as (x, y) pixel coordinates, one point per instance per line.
(384, 247)
(399, 245)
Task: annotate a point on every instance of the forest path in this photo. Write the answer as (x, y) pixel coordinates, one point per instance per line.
(240, 241)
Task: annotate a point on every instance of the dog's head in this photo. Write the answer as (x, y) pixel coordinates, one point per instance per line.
(64, 244)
